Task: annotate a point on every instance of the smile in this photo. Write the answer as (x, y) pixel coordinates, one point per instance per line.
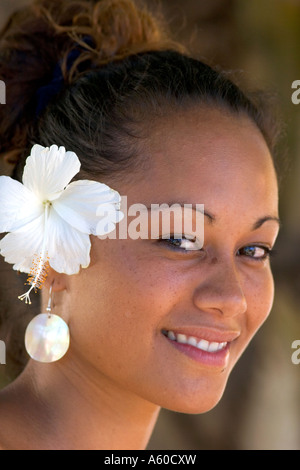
(201, 344)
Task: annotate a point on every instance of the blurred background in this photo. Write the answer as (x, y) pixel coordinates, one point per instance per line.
(261, 405)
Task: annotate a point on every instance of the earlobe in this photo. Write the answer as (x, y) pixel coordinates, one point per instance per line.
(58, 281)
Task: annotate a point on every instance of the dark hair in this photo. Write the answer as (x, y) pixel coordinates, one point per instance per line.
(129, 72)
(126, 76)
(106, 115)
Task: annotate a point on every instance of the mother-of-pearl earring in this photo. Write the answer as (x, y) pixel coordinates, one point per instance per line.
(47, 337)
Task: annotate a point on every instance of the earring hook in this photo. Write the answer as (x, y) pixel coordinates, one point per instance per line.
(49, 309)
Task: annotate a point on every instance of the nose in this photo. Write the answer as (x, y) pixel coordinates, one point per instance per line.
(221, 290)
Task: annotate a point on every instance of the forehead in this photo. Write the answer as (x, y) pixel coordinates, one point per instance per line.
(206, 155)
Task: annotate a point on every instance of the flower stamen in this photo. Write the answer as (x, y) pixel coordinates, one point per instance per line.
(40, 265)
(37, 276)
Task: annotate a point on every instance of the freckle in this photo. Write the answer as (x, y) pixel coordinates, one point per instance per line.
(214, 260)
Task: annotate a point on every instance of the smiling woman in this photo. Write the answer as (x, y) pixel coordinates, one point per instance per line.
(154, 322)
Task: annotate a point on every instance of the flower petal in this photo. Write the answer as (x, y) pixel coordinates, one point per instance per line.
(67, 248)
(108, 216)
(21, 246)
(49, 170)
(18, 205)
(79, 203)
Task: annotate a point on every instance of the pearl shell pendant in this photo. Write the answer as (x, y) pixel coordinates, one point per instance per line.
(47, 338)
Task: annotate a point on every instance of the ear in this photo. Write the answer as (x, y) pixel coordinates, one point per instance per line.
(7, 164)
(12, 157)
(58, 281)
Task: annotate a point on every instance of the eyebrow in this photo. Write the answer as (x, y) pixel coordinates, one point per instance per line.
(212, 218)
(262, 220)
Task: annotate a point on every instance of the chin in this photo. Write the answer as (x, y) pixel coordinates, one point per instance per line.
(197, 407)
(196, 400)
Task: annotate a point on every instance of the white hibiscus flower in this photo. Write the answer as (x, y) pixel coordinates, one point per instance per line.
(49, 220)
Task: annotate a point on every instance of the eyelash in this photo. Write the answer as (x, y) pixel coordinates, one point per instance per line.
(170, 243)
(268, 252)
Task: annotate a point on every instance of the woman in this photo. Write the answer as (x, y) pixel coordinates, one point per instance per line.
(154, 322)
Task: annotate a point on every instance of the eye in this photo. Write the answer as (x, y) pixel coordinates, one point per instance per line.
(256, 252)
(182, 243)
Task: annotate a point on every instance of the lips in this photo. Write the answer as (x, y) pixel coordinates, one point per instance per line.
(203, 344)
(208, 346)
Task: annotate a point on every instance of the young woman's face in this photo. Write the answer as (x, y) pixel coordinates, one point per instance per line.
(211, 300)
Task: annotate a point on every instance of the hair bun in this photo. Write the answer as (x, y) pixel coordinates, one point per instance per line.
(44, 34)
(118, 28)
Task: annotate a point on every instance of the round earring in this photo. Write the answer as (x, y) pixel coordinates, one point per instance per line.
(47, 337)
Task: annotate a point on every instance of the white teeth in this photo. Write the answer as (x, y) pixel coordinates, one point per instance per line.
(171, 335)
(181, 338)
(203, 344)
(213, 347)
(191, 340)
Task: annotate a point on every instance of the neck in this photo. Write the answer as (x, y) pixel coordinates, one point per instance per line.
(72, 410)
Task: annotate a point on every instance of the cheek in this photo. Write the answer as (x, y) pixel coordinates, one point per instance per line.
(260, 296)
(120, 306)
(116, 326)
(258, 289)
